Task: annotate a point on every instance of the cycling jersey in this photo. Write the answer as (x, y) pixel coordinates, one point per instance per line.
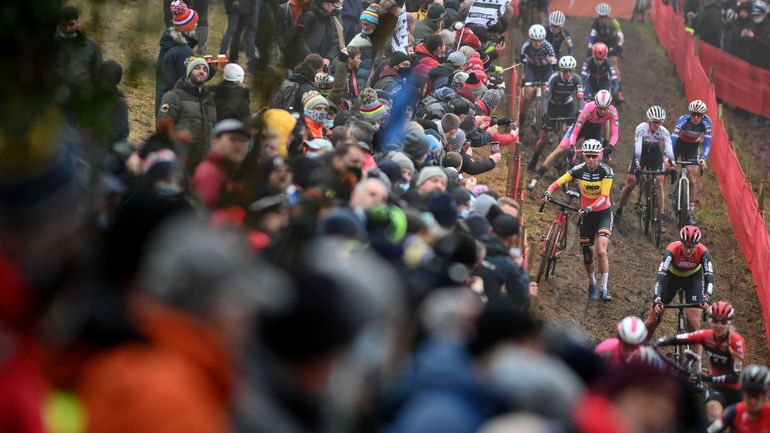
(676, 263)
(725, 355)
(648, 143)
(589, 114)
(738, 419)
(610, 34)
(561, 90)
(594, 185)
(609, 351)
(600, 75)
(685, 131)
(543, 56)
(556, 39)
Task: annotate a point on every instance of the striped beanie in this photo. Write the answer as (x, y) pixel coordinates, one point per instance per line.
(312, 99)
(192, 62)
(184, 18)
(371, 14)
(373, 111)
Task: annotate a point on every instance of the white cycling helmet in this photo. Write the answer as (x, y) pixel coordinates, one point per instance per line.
(697, 106)
(557, 18)
(537, 32)
(592, 146)
(631, 330)
(656, 114)
(603, 10)
(603, 99)
(567, 63)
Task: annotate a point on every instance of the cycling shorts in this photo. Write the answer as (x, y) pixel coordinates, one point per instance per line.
(589, 130)
(686, 151)
(650, 161)
(537, 73)
(725, 396)
(614, 50)
(692, 285)
(595, 224)
(561, 111)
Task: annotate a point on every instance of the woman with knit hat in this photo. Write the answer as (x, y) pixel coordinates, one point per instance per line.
(363, 41)
(345, 82)
(316, 119)
(372, 109)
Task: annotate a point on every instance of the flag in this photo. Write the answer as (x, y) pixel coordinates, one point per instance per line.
(401, 33)
(486, 12)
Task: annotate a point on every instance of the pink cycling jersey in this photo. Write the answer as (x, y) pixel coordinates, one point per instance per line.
(609, 350)
(590, 114)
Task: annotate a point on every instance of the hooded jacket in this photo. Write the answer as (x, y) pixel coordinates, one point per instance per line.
(498, 271)
(734, 43)
(175, 48)
(319, 33)
(425, 28)
(390, 80)
(425, 60)
(192, 110)
(364, 43)
(78, 59)
(232, 101)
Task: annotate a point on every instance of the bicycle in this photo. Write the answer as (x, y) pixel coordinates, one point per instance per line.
(692, 362)
(682, 196)
(528, 15)
(537, 105)
(681, 325)
(640, 10)
(647, 205)
(560, 127)
(555, 241)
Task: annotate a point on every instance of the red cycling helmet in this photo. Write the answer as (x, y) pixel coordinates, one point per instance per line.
(690, 235)
(600, 50)
(722, 310)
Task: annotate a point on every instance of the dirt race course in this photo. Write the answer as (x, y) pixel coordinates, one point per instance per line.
(648, 79)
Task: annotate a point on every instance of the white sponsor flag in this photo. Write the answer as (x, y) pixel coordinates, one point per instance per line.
(485, 12)
(400, 35)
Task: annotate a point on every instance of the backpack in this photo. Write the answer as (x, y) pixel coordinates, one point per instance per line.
(287, 97)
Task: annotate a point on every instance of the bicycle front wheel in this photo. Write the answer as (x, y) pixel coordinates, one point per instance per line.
(644, 214)
(655, 215)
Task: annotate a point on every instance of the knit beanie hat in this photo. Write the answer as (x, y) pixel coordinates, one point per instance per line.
(459, 79)
(435, 12)
(444, 209)
(233, 72)
(191, 64)
(371, 109)
(312, 99)
(457, 141)
(472, 81)
(416, 144)
(184, 18)
(371, 14)
(429, 172)
(397, 57)
(491, 99)
(402, 160)
(457, 59)
(283, 122)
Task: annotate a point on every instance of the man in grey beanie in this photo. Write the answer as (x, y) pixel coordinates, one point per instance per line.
(415, 146)
(431, 179)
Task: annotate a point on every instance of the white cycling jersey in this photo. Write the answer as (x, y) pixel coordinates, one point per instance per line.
(648, 142)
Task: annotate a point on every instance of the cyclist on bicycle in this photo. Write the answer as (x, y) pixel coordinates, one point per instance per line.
(599, 72)
(726, 349)
(588, 125)
(627, 346)
(541, 6)
(607, 30)
(652, 150)
(686, 265)
(556, 34)
(689, 130)
(752, 414)
(594, 179)
(561, 86)
(540, 60)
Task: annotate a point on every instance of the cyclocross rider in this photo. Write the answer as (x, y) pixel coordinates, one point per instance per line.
(627, 346)
(726, 349)
(561, 86)
(588, 125)
(557, 34)
(752, 414)
(540, 60)
(652, 149)
(599, 72)
(594, 179)
(689, 130)
(607, 30)
(686, 265)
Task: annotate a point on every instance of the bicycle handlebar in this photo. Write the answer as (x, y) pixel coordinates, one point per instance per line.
(686, 163)
(654, 172)
(560, 204)
(682, 306)
(534, 83)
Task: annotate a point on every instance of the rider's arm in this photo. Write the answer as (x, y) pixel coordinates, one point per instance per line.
(708, 273)
(638, 138)
(563, 180)
(584, 113)
(592, 36)
(677, 130)
(660, 282)
(613, 77)
(584, 71)
(737, 353)
(579, 91)
(569, 42)
(616, 27)
(551, 53)
(614, 126)
(706, 136)
(678, 340)
(668, 149)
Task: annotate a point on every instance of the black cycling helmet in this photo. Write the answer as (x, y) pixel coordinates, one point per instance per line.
(755, 378)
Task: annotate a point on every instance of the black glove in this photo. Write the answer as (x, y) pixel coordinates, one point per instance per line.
(707, 379)
(608, 151)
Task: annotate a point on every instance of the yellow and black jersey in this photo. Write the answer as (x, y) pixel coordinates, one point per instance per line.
(594, 185)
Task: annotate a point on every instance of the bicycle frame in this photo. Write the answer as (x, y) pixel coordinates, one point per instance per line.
(555, 241)
(681, 322)
(682, 202)
(648, 203)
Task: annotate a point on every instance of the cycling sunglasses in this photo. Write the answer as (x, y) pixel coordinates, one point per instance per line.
(696, 114)
(590, 155)
(690, 246)
(720, 321)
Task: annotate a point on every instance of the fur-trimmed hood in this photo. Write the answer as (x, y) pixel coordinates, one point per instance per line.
(173, 37)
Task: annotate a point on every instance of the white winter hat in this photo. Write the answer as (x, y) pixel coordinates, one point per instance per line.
(233, 72)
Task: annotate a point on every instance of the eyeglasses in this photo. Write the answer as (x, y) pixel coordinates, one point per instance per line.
(590, 156)
(690, 246)
(696, 114)
(655, 122)
(720, 321)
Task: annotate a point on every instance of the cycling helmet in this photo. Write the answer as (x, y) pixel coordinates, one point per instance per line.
(603, 10)
(758, 8)
(722, 310)
(600, 50)
(697, 106)
(557, 18)
(537, 32)
(755, 378)
(593, 147)
(603, 99)
(631, 329)
(689, 235)
(656, 114)
(567, 63)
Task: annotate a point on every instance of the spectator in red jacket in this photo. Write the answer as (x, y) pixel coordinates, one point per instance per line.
(427, 54)
(214, 175)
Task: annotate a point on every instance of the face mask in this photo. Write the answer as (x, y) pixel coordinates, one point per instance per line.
(356, 172)
(758, 19)
(167, 189)
(72, 35)
(403, 73)
(376, 126)
(367, 32)
(329, 123)
(464, 213)
(312, 155)
(404, 187)
(316, 116)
